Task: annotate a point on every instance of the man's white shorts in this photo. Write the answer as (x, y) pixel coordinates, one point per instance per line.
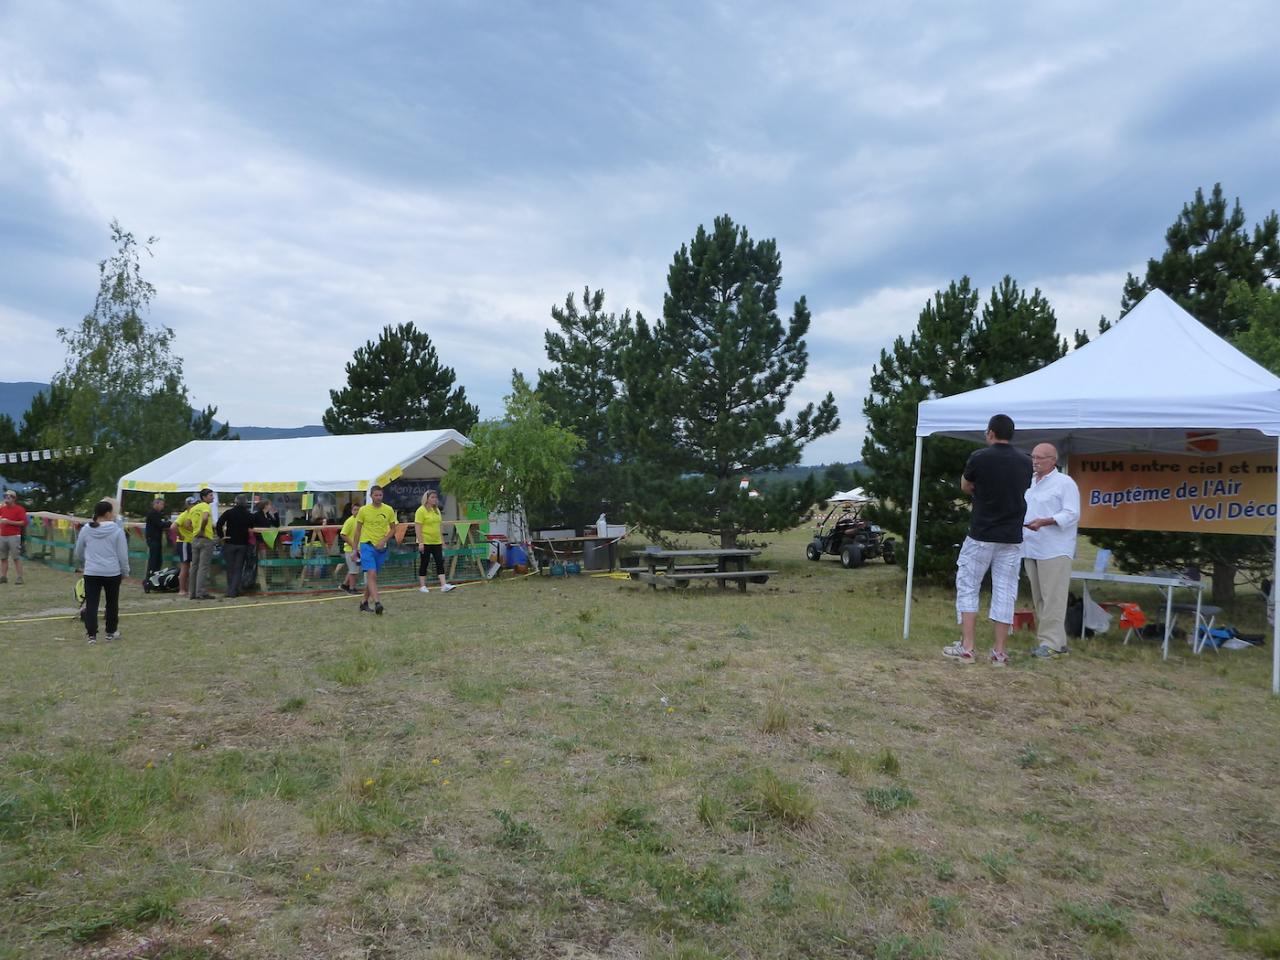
(1004, 561)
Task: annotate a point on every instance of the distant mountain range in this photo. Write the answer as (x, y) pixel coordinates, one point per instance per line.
(15, 399)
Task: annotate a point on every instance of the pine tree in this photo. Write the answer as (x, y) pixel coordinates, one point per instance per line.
(398, 383)
(953, 349)
(836, 478)
(705, 390)
(205, 427)
(1260, 307)
(1209, 254)
(578, 390)
(1208, 249)
(61, 485)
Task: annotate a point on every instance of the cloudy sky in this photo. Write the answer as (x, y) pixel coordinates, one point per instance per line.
(316, 171)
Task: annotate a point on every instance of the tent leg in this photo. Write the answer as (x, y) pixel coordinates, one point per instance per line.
(911, 539)
(1275, 584)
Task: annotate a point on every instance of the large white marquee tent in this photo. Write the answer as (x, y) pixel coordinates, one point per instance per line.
(1146, 383)
(317, 464)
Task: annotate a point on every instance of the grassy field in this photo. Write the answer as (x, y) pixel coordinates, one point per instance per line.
(582, 768)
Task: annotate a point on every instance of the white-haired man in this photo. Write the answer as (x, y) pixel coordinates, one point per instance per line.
(1049, 546)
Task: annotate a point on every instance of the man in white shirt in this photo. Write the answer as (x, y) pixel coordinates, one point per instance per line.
(1048, 547)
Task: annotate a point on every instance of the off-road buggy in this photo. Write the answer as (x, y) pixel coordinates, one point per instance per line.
(846, 534)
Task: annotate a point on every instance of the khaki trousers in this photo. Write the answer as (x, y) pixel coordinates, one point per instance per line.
(1050, 584)
(201, 559)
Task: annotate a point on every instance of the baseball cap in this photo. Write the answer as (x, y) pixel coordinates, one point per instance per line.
(191, 500)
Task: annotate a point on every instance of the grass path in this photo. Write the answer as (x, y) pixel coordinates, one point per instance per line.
(578, 768)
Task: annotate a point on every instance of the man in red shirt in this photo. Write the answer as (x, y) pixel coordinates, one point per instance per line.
(13, 521)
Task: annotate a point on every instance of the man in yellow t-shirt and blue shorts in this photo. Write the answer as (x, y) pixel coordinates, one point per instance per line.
(375, 523)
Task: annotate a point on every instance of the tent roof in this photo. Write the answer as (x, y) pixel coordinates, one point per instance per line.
(350, 462)
(856, 495)
(1154, 376)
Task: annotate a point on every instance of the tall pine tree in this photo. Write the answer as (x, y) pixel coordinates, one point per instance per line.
(1208, 249)
(1210, 258)
(397, 383)
(952, 350)
(585, 348)
(706, 388)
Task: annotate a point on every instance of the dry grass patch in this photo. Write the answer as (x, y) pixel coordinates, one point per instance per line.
(618, 772)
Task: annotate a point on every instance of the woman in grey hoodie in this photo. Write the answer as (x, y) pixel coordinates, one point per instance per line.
(101, 551)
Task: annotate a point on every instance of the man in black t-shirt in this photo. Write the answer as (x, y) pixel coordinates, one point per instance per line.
(997, 478)
(233, 528)
(157, 525)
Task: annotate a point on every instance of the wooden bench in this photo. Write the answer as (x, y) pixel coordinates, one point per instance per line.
(678, 579)
(685, 568)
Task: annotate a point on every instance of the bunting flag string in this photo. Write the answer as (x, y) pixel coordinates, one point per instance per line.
(35, 456)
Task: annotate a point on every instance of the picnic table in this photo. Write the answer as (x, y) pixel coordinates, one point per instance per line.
(716, 566)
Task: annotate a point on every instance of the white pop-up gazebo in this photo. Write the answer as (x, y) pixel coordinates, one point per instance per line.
(1143, 385)
(334, 463)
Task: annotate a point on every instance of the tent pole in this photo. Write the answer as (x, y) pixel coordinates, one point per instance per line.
(1275, 584)
(911, 539)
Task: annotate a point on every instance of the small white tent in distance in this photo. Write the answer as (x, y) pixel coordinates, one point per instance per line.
(1143, 385)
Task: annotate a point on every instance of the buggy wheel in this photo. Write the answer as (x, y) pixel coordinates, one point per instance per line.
(812, 552)
(889, 556)
(851, 556)
(146, 586)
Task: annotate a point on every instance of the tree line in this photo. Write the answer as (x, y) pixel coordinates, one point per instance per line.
(650, 421)
(656, 422)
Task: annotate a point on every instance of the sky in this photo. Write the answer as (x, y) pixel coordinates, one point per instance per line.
(314, 172)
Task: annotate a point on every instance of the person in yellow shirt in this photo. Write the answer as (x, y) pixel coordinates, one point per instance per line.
(430, 543)
(202, 543)
(375, 523)
(185, 532)
(350, 553)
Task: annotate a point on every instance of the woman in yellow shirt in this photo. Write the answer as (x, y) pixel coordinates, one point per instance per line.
(430, 543)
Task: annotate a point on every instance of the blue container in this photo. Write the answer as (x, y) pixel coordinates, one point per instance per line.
(573, 568)
(516, 555)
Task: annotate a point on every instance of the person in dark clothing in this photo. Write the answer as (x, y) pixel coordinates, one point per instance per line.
(266, 515)
(233, 527)
(997, 477)
(157, 525)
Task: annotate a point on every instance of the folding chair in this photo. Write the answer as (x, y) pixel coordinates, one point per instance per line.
(1200, 635)
(1132, 619)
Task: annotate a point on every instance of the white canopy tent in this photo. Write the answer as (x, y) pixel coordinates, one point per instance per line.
(336, 464)
(1143, 385)
(856, 495)
(333, 464)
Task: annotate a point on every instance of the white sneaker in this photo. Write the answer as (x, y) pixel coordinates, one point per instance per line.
(446, 588)
(424, 589)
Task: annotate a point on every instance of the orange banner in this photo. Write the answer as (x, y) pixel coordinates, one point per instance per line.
(1144, 491)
